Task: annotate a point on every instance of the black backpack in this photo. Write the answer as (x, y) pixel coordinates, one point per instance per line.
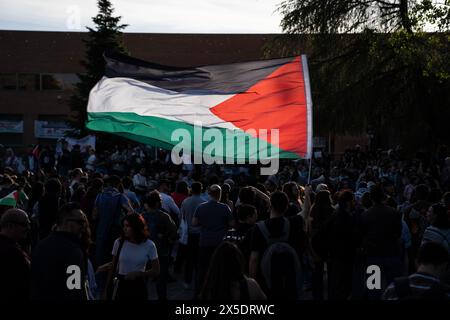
(280, 265)
(403, 290)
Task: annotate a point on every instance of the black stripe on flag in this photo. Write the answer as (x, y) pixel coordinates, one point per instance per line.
(221, 79)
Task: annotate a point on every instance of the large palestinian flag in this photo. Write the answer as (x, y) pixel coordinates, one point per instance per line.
(147, 102)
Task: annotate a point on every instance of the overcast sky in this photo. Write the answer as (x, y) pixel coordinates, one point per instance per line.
(161, 16)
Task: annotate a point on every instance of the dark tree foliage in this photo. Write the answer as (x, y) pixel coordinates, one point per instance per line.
(381, 65)
(106, 35)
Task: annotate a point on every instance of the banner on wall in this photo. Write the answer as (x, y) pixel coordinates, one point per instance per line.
(53, 129)
(11, 126)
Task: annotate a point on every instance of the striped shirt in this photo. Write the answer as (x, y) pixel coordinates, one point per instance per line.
(419, 283)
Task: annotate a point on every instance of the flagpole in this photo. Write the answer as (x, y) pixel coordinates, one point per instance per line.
(309, 172)
(308, 96)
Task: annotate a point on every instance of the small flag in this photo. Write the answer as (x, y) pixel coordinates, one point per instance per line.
(14, 198)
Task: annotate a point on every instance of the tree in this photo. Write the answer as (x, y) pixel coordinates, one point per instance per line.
(383, 64)
(105, 36)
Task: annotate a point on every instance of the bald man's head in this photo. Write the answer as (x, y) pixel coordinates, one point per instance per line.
(215, 192)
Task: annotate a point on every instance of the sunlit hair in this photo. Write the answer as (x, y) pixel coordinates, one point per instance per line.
(138, 225)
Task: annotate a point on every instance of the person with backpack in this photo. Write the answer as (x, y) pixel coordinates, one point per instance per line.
(255, 197)
(276, 245)
(241, 235)
(425, 284)
(439, 229)
(163, 232)
(109, 209)
(226, 279)
(127, 183)
(168, 204)
(135, 259)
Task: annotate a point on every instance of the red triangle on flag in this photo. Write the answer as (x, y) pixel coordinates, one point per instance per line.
(276, 102)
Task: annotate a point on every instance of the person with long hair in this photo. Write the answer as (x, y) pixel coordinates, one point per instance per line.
(132, 253)
(226, 279)
(293, 192)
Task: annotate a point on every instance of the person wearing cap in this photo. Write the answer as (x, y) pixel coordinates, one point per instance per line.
(168, 204)
(15, 263)
(60, 259)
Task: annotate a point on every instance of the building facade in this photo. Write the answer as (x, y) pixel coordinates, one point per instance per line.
(38, 71)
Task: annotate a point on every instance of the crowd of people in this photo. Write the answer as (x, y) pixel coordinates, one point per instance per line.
(88, 225)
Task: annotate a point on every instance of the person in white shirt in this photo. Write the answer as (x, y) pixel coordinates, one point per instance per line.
(91, 160)
(167, 203)
(133, 254)
(140, 181)
(76, 174)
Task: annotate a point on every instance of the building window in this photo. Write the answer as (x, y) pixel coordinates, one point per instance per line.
(8, 81)
(29, 81)
(49, 82)
(59, 81)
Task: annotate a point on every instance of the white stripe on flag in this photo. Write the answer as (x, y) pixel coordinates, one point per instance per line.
(134, 96)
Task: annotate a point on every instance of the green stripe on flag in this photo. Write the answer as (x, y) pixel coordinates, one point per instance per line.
(158, 131)
(9, 200)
